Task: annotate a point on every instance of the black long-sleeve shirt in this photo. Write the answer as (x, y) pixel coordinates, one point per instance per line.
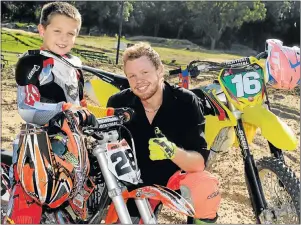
(179, 118)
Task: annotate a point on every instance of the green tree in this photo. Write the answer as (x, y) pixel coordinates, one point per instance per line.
(283, 17)
(282, 22)
(155, 13)
(178, 16)
(7, 9)
(21, 11)
(95, 13)
(214, 17)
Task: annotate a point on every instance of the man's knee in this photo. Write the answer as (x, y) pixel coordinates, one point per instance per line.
(201, 189)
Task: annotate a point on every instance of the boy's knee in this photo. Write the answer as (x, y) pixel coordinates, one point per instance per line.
(201, 189)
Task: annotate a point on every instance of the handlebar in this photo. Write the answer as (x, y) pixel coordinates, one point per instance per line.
(197, 66)
(121, 116)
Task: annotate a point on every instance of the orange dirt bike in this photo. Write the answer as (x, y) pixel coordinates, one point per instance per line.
(113, 168)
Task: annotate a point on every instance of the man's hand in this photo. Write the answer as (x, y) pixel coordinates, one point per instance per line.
(161, 148)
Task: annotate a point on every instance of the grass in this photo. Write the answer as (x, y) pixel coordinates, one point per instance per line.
(183, 56)
(18, 41)
(22, 25)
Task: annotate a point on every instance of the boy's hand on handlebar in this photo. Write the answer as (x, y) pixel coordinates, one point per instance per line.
(86, 118)
(83, 115)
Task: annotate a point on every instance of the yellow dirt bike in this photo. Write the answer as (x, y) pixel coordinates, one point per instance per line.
(235, 105)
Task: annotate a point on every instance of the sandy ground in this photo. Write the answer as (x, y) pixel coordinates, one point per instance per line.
(235, 207)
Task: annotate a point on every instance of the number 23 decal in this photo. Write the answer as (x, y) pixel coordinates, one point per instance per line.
(246, 84)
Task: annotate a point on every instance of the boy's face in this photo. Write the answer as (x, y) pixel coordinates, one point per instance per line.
(59, 36)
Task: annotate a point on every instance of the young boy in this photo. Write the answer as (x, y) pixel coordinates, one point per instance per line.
(47, 86)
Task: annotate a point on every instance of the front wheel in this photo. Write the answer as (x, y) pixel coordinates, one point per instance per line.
(281, 189)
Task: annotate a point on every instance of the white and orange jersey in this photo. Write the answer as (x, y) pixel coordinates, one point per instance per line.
(46, 82)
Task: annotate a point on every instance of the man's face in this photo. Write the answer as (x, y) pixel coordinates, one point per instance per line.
(59, 36)
(143, 77)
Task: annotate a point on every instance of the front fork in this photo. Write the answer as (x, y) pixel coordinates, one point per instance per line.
(115, 191)
(251, 171)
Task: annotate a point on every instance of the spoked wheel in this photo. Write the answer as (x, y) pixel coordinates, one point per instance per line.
(281, 189)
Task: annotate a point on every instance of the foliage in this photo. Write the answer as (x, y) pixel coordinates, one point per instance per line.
(213, 18)
(208, 23)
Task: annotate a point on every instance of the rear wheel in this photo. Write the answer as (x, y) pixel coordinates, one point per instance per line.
(281, 189)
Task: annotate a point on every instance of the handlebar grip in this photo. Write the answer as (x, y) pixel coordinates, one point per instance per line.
(120, 116)
(125, 113)
(262, 55)
(175, 72)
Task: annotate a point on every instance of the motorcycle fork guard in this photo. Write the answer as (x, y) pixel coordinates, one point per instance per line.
(255, 188)
(252, 176)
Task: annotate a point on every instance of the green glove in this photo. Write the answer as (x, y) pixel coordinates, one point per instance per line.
(160, 148)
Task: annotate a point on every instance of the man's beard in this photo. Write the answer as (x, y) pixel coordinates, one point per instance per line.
(150, 93)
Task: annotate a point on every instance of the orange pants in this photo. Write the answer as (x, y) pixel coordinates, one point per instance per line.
(200, 189)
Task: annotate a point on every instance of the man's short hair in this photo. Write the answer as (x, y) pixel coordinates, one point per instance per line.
(142, 49)
(59, 8)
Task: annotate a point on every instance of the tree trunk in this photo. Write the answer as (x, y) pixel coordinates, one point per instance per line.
(156, 30)
(213, 42)
(181, 27)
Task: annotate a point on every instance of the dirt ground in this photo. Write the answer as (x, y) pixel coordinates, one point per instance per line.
(235, 207)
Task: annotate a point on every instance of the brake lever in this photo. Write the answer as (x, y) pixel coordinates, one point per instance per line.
(202, 68)
(88, 131)
(125, 114)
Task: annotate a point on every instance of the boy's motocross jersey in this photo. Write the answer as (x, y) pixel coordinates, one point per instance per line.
(45, 82)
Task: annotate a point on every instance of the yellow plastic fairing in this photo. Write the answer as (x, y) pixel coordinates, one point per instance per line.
(272, 127)
(100, 91)
(214, 125)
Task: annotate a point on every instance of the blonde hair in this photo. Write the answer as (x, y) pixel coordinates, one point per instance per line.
(142, 49)
(59, 8)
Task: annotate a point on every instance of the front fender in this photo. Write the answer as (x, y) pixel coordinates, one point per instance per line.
(272, 127)
(167, 196)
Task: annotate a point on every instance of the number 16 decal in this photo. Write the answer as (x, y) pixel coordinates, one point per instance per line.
(247, 84)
